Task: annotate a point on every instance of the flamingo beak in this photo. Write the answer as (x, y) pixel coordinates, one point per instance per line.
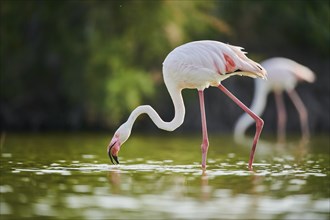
(113, 157)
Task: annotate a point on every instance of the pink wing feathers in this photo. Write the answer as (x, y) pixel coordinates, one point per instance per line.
(215, 56)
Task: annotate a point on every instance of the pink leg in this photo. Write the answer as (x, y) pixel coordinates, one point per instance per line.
(281, 114)
(303, 116)
(205, 143)
(259, 122)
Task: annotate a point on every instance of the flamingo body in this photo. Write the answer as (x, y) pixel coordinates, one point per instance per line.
(195, 65)
(283, 75)
(200, 64)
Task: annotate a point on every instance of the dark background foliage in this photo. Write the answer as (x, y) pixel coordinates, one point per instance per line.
(85, 65)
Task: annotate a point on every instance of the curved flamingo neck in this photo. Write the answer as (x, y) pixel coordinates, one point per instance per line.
(168, 126)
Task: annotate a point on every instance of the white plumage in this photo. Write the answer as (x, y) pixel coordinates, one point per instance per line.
(195, 65)
(201, 64)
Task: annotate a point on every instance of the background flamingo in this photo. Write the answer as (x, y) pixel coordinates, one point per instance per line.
(195, 65)
(282, 75)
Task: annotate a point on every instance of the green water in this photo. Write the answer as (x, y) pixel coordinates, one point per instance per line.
(69, 176)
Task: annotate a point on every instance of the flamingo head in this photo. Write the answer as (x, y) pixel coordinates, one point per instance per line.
(120, 136)
(240, 64)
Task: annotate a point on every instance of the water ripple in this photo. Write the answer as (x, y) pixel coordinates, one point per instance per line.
(216, 169)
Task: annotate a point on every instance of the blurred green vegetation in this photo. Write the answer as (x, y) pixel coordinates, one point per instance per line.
(266, 23)
(87, 64)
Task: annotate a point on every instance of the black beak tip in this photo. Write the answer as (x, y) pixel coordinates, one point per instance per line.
(115, 158)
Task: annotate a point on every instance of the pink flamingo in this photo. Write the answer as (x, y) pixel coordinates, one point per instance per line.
(282, 75)
(195, 65)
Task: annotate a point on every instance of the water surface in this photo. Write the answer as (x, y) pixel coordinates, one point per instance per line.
(68, 176)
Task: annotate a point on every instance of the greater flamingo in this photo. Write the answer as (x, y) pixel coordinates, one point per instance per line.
(195, 65)
(282, 75)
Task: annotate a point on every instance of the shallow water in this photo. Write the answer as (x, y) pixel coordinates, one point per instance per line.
(69, 176)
